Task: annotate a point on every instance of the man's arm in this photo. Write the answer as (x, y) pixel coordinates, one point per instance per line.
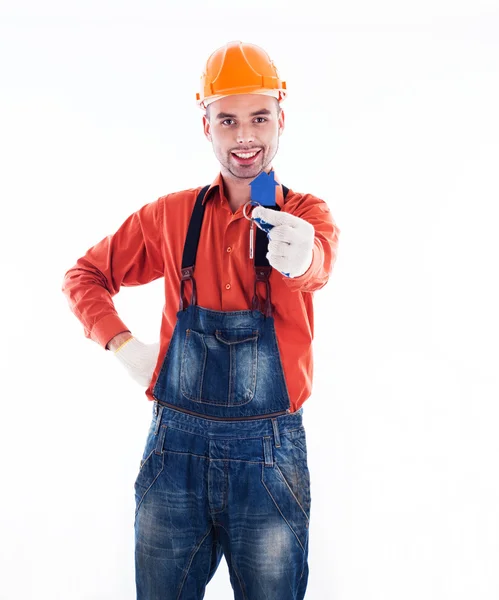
(131, 256)
(117, 340)
(316, 212)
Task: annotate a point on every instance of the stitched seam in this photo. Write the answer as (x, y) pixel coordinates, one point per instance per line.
(203, 370)
(303, 569)
(186, 570)
(152, 483)
(231, 382)
(284, 478)
(174, 425)
(220, 337)
(294, 532)
(232, 562)
(224, 501)
(236, 460)
(145, 460)
(255, 364)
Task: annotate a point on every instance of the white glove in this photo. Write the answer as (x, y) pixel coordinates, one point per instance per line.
(291, 241)
(139, 359)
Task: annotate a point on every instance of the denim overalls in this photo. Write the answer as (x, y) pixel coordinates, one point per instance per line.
(224, 469)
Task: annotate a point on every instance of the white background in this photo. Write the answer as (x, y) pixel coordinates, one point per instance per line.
(392, 118)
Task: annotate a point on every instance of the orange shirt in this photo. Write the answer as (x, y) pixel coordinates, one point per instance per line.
(149, 244)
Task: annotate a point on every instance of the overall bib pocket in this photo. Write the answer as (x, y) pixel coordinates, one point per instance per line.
(219, 368)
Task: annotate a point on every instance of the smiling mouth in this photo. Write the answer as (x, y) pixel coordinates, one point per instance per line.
(246, 158)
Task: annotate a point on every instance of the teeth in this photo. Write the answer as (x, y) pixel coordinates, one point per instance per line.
(246, 154)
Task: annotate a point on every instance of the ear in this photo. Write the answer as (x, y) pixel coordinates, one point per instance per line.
(281, 123)
(206, 128)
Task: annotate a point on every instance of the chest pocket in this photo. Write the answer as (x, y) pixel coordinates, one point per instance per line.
(219, 368)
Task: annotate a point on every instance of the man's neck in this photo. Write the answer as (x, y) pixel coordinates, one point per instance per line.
(237, 191)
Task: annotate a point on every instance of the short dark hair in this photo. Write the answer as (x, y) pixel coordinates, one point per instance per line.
(279, 109)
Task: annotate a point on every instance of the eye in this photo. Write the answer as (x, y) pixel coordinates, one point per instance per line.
(224, 122)
(263, 119)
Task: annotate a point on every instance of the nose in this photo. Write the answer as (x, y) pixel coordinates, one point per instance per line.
(245, 135)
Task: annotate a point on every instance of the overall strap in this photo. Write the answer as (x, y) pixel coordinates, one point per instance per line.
(191, 246)
(262, 266)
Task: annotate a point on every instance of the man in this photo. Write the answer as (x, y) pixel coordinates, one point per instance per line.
(224, 469)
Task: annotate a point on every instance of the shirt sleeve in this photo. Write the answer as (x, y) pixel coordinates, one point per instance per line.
(131, 256)
(317, 212)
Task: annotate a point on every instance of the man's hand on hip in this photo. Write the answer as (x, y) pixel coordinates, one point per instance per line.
(139, 359)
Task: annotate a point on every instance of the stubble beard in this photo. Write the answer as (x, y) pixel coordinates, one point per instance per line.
(241, 172)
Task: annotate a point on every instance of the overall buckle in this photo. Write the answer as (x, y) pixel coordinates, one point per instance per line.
(262, 274)
(187, 274)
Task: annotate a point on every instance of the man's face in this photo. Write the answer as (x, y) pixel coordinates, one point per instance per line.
(244, 124)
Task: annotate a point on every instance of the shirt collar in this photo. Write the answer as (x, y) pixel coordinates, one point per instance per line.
(218, 186)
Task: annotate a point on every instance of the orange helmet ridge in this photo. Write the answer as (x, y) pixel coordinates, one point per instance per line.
(239, 68)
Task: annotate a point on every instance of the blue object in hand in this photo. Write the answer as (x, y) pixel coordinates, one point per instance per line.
(263, 189)
(264, 226)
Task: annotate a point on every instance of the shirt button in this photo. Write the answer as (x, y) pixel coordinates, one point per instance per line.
(227, 286)
(229, 249)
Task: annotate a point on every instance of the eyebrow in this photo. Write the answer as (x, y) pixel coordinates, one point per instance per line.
(262, 111)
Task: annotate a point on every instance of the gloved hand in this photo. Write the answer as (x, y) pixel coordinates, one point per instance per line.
(291, 240)
(139, 359)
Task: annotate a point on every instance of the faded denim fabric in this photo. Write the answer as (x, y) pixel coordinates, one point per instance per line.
(211, 487)
(223, 364)
(224, 469)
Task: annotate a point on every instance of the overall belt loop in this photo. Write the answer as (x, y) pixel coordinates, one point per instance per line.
(161, 440)
(267, 451)
(159, 412)
(277, 437)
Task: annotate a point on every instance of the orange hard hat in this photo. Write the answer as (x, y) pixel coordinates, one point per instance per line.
(239, 68)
